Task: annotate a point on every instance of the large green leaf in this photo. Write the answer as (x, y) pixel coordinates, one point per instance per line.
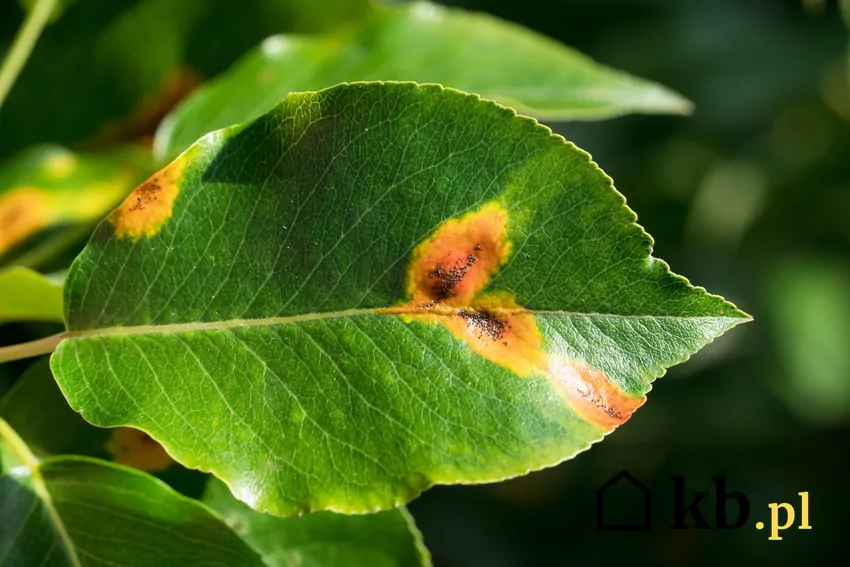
(48, 194)
(426, 43)
(26, 295)
(81, 512)
(372, 289)
(323, 539)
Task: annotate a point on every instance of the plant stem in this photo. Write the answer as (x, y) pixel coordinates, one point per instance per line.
(23, 44)
(30, 349)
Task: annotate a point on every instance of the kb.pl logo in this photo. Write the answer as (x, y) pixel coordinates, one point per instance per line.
(731, 507)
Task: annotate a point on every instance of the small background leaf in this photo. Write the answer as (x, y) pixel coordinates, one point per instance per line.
(426, 43)
(26, 295)
(323, 539)
(79, 511)
(809, 306)
(51, 197)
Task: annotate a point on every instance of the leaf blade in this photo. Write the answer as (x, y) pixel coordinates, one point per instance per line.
(324, 539)
(307, 353)
(426, 43)
(26, 295)
(54, 502)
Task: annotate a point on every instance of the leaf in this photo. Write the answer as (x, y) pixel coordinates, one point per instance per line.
(26, 295)
(426, 43)
(372, 289)
(78, 511)
(323, 539)
(47, 193)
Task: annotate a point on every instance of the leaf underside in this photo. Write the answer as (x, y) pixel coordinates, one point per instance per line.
(369, 290)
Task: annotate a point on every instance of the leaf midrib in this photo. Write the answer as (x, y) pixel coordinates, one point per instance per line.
(179, 328)
(20, 448)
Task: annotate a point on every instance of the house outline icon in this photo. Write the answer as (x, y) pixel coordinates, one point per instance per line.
(621, 476)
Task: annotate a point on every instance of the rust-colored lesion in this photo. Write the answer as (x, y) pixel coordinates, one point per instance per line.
(137, 449)
(447, 278)
(591, 393)
(456, 263)
(149, 206)
(24, 211)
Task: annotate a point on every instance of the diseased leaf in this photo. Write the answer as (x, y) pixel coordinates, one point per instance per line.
(323, 539)
(48, 193)
(426, 43)
(26, 295)
(77, 511)
(370, 290)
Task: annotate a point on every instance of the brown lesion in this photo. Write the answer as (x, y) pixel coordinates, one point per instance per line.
(447, 278)
(24, 211)
(150, 205)
(591, 392)
(137, 449)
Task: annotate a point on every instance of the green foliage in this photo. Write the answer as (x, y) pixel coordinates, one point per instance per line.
(55, 13)
(26, 295)
(50, 197)
(352, 295)
(129, 59)
(79, 511)
(385, 539)
(425, 43)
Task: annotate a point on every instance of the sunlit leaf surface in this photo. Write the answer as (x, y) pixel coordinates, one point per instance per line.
(369, 290)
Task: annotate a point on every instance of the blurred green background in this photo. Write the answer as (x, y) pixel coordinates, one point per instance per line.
(749, 197)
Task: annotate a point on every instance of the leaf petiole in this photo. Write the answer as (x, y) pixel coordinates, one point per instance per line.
(31, 349)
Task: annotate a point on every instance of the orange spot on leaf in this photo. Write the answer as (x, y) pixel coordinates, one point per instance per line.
(146, 209)
(591, 393)
(23, 212)
(446, 280)
(454, 265)
(136, 449)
